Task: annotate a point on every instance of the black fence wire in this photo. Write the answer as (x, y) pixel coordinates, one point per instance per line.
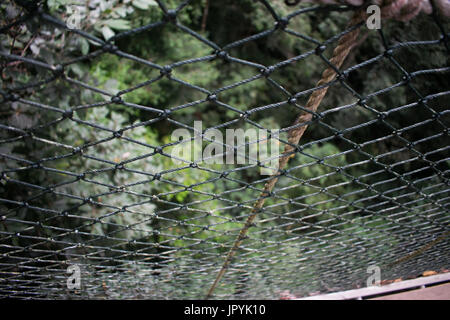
(90, 183)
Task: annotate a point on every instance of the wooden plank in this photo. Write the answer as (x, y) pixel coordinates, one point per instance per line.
(383, 290)
(439, 292)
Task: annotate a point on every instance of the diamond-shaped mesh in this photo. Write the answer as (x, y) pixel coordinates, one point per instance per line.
(88, 177)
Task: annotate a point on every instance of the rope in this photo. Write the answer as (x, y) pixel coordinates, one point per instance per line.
(422, 249)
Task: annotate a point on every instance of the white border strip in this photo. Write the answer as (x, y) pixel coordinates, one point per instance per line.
(382, 290)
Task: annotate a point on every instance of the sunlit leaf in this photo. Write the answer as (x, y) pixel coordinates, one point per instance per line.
(107, 32)
(118, 24)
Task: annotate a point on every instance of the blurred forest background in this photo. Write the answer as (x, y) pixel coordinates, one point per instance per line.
(336, 191)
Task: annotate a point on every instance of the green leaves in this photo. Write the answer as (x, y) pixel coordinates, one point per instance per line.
(84, 46)
(118, 24)
(107, 32)
(56, 4)
(144, 4)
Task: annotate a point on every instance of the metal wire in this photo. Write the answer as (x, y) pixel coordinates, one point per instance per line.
(143, 238)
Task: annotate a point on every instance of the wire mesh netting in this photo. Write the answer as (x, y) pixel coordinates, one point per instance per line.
(92, 91)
